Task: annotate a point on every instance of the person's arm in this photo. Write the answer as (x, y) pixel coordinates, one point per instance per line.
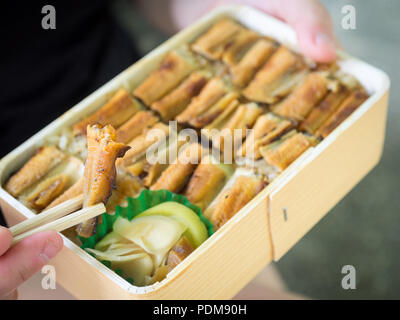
(309, 18)
(20, 262)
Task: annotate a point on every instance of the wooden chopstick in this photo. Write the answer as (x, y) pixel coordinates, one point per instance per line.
(52, 214)
(66, 221)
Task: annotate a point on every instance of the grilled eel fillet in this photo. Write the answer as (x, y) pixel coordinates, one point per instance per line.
(179, 252)
(75, 190)
(175, 67)
(115, 112)
(213, 43)
(206, 181)
(288, 148)
(231, 200)
(100, 171)
(35, 169)
(175, 177)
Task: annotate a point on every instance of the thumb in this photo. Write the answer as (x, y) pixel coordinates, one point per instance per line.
(26, 258)
(315, 34)
(312, 24)
(5, 240)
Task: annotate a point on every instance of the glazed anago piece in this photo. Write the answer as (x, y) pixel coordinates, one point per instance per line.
(243, 118)
(135, 126)
(175, 67)
(304, 97)
(348, 106)
(211, 102)
(234, 198)
(150, 171)
(288, 148)
(178, 99)
(212, 44)
(75, 190)
(150, 137)
(324, 109)
(175, 177)
(268, 128)
(47, 190)
(253, 59)
(242, 42)
(206, 181)
(215, 111)
(36, 168)
(53, 184)
(276, 77)
(179, 252)
(230, 128)
(126, 185)
(100, 171)
(115, 112)
(148, 168)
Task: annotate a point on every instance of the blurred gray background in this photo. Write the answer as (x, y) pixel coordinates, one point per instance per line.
(363, 230)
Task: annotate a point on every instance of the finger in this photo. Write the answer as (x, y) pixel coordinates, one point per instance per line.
(316, 38)
(26, 258)
(312, 24)
(5, 239)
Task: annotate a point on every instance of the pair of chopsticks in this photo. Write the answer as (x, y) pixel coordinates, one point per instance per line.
(57, 219)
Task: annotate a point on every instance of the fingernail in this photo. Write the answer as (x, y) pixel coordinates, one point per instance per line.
(50, 250)
(323, 39)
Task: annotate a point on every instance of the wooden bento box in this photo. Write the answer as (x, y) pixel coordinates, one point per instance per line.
(262, 231)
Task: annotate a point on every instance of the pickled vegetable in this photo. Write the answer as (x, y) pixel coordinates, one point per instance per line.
(196, 231)
(156, 234)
